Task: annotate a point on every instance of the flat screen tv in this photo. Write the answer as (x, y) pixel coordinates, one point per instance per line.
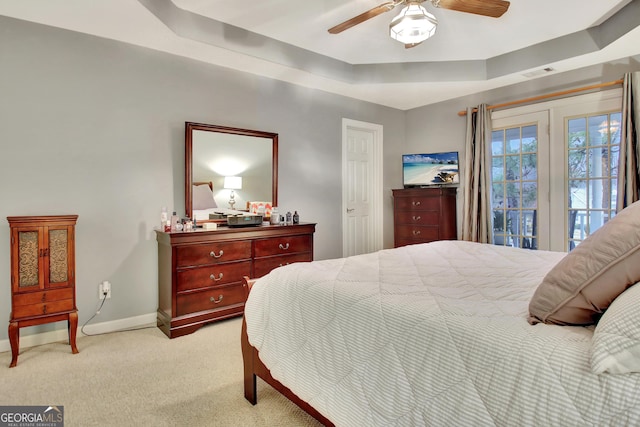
(430, 169)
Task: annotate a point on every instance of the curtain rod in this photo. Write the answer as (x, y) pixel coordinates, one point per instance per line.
(549, 95)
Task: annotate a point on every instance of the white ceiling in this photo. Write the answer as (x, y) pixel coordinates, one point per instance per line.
(288, 40)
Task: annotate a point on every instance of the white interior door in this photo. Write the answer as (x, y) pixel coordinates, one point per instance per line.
(361, 187)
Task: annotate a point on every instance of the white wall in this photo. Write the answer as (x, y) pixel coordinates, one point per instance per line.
(95, 127)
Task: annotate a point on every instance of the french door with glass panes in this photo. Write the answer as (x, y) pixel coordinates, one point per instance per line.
(520, 180)
(554, 171)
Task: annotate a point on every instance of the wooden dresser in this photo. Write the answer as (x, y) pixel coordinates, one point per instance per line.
(422, 215)
(200, 272)
(42, 275)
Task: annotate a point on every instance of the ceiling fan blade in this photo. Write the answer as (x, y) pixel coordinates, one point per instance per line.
(492, 8)
(378, 10)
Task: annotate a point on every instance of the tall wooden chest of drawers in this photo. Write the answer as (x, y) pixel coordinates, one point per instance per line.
(200, 272)
(42, 275)
(422, 215)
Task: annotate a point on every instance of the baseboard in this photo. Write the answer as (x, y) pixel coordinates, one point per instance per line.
(98, 328)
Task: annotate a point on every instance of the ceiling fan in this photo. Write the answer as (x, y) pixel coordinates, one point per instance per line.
(415, 24)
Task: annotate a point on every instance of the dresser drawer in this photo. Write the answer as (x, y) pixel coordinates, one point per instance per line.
(417, 218)
(421, 233)
(42, 296)
(282, 245)
(215, 275)
(265, 265)
(212, 253)
(212, 299)
(417, 203)
(43, 308)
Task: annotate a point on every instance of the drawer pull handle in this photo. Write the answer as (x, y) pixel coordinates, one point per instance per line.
(216, 301)
(416, 203)
(44, 309)
(416, 232)
(285, 247)
(44, 297)
(213, 254)
(212, 277)
(417, 218)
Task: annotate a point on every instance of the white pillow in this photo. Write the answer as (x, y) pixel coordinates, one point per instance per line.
(615, 347)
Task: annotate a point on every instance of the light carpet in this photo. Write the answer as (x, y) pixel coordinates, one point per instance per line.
(142, 378)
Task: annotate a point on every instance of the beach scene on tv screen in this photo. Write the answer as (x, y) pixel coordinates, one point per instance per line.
(430, 169)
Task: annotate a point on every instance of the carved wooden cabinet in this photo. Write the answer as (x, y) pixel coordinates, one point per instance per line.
(42, 275)
(422, 215)
(200, 272)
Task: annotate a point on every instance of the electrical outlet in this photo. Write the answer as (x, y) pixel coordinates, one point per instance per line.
(104, 287)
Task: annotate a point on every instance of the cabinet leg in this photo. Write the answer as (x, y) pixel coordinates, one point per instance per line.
(14, 340)
(73, 326)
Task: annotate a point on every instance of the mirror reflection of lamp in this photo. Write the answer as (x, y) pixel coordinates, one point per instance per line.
(232, 183)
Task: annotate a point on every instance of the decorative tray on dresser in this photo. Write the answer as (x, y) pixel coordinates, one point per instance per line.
(200, 272)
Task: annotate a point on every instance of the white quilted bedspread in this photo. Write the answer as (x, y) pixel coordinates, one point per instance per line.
(431, 335)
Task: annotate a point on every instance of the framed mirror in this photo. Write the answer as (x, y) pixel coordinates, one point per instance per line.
(233, 166)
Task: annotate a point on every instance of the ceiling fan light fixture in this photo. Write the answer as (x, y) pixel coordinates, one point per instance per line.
(413, 24)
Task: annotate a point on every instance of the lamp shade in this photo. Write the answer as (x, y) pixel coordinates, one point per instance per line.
(413, 24)
(233, 182)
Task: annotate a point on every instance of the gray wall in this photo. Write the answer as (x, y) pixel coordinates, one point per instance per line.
(438, 127)
(95, 127)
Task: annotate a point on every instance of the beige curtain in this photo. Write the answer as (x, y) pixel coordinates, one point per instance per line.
(628, 175)
(476, 220)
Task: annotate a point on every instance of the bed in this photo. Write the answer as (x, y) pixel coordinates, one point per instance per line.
(452, 333)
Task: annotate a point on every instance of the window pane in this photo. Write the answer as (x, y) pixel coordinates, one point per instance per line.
(598, 130)
(512, 165)
(615, 120)
(513, 140)
(614, 157)
(530, 194)
(614, 199)
(598, 163)
(499, 220)
(577, 132)
(530, 167)
(598, 192)
(513, 194)
(498, 195)
(497, 143)
(530, 139)
(577, 194)
(577, 164)
(497, 169)
(577, 227)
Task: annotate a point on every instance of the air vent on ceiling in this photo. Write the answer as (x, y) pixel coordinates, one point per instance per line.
(539, 72)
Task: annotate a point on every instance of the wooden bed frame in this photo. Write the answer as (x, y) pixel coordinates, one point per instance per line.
(253, 368)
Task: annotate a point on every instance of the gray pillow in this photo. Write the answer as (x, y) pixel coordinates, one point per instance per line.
(585, 282)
